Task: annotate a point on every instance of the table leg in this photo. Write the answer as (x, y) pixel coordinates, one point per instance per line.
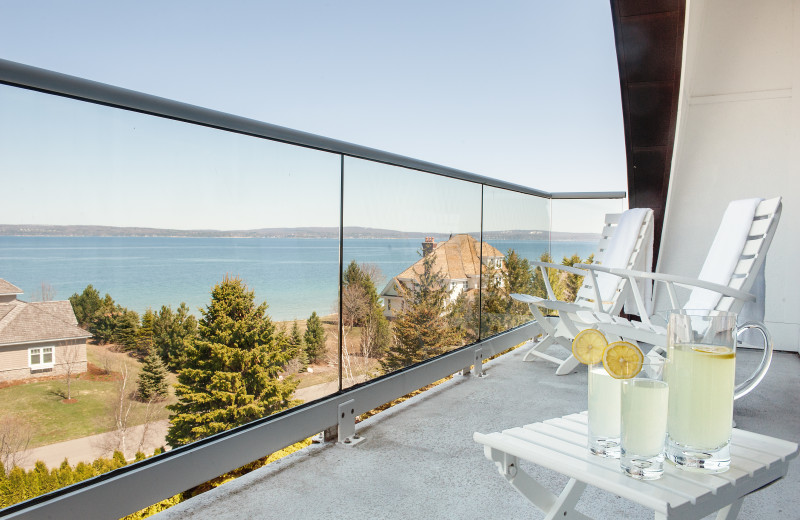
(561, 506)
(731, 511)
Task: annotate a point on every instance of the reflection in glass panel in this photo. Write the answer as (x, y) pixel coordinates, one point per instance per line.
(156, 243)
(582, 216)
(577, 226)
(412, 266)
(517, 226)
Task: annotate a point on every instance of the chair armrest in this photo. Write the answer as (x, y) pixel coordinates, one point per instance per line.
(561, 267)
(686, 281)
(672, 278)
(594, 267)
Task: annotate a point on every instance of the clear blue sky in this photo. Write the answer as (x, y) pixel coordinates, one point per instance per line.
(525, 91)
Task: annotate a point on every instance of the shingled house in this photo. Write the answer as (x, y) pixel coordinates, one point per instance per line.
(459, 260)
(38, 338)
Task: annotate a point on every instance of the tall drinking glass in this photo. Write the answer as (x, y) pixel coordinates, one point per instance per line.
(702, 353)
(604, 411)
(643, 420)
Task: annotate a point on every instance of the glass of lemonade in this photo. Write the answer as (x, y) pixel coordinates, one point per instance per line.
(604, 412)
(643, 420)
(702, 353)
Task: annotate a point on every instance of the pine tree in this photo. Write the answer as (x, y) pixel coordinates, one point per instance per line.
(126, 328)
(86, 305)
(423, 329)
(494, 303)
(314, 338)
(539, 288)
(145, 335)
(231, 373)
(172, 332)
(152, 384)
(518, 278)
(297, 348)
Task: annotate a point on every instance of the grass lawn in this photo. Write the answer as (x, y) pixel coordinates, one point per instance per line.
(39, 403)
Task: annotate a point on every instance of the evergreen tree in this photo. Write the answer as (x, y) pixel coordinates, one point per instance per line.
(571, 283)
(152, 383)
(145, 333)
(314, 338)
(172, 332)
(231, 373)
(295, 338)
(298, 351)
(86, 305)
(423, 329)
(494, 303)
(126, 328)
(464, 316)
(539, 288)
(518, 278)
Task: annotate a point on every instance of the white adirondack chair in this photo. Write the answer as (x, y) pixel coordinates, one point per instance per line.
(626, 243)
(724, 284)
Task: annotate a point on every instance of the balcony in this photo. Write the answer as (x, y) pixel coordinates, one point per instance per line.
(418, 458)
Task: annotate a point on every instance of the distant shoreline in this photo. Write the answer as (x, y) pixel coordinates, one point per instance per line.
(42, 231)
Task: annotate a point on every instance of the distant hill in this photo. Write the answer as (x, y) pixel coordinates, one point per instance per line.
(299, 232)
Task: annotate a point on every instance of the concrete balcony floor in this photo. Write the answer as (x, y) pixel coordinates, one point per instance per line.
(419, 459)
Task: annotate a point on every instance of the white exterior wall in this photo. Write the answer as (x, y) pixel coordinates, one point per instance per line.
(738, 136)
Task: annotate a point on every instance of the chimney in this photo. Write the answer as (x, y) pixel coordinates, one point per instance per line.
(428, 246)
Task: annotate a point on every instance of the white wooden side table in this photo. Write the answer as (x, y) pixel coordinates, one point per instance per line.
(560, 445)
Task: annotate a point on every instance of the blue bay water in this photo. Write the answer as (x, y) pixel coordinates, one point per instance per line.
(294, 276)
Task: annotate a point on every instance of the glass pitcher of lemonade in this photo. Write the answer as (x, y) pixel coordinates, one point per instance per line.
(701, 347)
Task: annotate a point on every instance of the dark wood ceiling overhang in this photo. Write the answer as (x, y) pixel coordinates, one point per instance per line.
(649, 40)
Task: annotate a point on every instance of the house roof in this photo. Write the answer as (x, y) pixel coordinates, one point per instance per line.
(456, 259)
(23, 322)
(8, 288)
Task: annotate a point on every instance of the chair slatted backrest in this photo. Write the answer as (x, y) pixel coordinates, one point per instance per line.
(754, 252)
(636, 260)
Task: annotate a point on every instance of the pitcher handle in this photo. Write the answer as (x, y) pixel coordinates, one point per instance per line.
(744, 388)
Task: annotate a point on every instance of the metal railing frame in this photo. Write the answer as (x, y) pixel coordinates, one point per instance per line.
(134, 487)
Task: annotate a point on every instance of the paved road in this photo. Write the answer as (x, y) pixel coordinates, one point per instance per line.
(87, 449)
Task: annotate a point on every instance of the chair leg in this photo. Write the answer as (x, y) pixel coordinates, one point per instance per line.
(567, 366)
(538, 347)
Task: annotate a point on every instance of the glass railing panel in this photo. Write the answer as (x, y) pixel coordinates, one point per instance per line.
(516, 231)
(167, 254)
(411, 267)
(577, 227)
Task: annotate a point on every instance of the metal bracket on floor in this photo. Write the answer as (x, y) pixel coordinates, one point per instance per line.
(328, 435)
(347, 424)
(477, 365)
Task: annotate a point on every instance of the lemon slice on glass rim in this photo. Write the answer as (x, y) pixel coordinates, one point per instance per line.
(588, 346)
(623, 360)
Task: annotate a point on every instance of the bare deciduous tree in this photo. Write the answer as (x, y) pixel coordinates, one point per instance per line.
(70, 360)
(47, 293)
(15, 437)
(149, 415)
(355, 307)
(120, 411)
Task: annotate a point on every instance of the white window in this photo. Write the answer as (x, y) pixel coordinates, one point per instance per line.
(40, 357)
